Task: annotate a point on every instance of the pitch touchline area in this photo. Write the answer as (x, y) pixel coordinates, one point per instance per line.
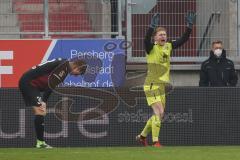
(128, 153)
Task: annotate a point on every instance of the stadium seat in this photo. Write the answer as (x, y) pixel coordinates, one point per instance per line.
(64, 16)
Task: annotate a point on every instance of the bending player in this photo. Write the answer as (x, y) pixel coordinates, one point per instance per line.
(44, 78)
(158, 60)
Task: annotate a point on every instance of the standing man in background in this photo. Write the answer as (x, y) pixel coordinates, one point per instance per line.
(218, 71)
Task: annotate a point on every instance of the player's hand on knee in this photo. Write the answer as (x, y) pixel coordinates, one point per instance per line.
(43, 105)
(40, 110)
(43, 108)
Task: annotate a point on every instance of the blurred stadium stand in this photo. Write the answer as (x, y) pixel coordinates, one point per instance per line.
(64, 16)
(25, 19)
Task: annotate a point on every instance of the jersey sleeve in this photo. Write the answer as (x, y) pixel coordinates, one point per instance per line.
(58, 75)
(179, 42)
(43, 69)
(148, 40)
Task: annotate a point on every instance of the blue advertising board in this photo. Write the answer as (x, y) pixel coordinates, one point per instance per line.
(105, 59)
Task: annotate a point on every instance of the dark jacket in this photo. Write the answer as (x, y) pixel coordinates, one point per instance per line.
(218, 72)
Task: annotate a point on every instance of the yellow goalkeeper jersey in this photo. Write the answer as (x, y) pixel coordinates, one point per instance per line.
(158, 63)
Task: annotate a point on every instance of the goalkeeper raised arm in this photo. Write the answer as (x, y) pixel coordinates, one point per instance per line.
(158, 61)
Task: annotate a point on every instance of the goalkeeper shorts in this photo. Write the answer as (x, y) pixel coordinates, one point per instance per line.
(155, 93)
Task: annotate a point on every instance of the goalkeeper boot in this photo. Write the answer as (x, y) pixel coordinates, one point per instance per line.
(142, 140)
(157, 144)
(42, 144)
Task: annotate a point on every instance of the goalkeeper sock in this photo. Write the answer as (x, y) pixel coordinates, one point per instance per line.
(39, 127)
(156, 123)
(147, 128)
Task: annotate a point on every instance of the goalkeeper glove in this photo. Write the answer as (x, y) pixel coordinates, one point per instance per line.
(190, 19)
(155, 20)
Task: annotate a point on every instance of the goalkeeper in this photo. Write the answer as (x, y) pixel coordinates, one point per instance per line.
(158, 62)
(44, 78)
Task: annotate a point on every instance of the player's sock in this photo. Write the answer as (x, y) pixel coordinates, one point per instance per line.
(147, 128)
(156, 123)
(39, 127)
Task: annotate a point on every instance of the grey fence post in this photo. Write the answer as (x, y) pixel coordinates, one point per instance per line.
(119, 19)
(46, 20)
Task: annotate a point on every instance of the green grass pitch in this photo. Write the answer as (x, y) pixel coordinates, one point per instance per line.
(123, 153)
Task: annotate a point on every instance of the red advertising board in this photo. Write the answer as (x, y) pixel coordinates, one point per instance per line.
(25, 54)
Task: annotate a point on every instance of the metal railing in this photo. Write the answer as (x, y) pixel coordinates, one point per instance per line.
(206, 32)
(60, 18)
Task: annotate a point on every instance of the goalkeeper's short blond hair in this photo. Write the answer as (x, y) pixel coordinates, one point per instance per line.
(158, 29)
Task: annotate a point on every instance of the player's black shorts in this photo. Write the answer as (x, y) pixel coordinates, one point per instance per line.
(31, 95)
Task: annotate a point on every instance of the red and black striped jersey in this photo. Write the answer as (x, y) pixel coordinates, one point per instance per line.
(45, 76)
